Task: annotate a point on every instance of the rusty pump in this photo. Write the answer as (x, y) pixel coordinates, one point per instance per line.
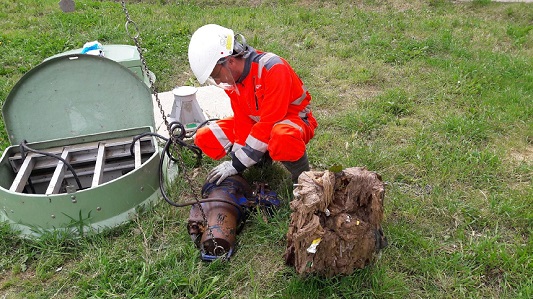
(226, 207)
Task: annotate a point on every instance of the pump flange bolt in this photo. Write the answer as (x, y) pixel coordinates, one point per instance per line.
(98, 208)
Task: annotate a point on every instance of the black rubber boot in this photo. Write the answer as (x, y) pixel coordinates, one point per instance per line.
(297, 167)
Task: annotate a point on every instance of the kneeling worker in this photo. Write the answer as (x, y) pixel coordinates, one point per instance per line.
(271, 106)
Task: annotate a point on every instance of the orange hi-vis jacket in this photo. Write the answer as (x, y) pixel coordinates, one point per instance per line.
(271, 113)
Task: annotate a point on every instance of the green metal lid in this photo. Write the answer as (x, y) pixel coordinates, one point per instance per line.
(76, 95)
(126, 55)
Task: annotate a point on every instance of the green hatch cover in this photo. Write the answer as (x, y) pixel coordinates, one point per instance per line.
(126, 55)
(76, 95)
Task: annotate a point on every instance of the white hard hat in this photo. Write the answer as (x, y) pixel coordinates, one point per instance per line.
(208, 44)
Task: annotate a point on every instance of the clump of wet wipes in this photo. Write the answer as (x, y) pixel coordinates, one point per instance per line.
(336, 220)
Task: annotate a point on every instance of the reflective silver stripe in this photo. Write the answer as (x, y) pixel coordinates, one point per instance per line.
(256, 144)
(262, 61)
(245, 160)
(255, 118)
(303, 113)
(299, 100)
(252, 152)
(221, 136)
(290, 123)
(236, 147)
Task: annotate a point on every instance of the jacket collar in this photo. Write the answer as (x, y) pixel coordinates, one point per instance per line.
(252, 55)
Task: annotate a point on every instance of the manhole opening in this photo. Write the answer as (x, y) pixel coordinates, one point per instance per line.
(94, 163)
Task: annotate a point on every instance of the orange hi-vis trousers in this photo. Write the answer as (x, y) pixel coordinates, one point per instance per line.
(288, 138)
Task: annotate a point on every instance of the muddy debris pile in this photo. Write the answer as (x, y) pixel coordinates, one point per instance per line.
(335, 223)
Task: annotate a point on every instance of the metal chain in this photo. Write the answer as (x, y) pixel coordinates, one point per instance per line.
(136, 38)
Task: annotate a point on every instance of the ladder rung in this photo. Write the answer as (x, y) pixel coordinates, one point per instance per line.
(99, 166)
(24, 173)
(137, 153)
(59, 174)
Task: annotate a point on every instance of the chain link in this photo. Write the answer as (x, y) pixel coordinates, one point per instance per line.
(137, 40)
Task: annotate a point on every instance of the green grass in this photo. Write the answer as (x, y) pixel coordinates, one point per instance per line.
(435, 96)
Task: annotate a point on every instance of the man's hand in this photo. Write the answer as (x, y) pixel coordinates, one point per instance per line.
(221, 172)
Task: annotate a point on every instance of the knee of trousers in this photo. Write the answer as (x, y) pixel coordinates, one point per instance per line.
(286, 143)
(209, 144)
